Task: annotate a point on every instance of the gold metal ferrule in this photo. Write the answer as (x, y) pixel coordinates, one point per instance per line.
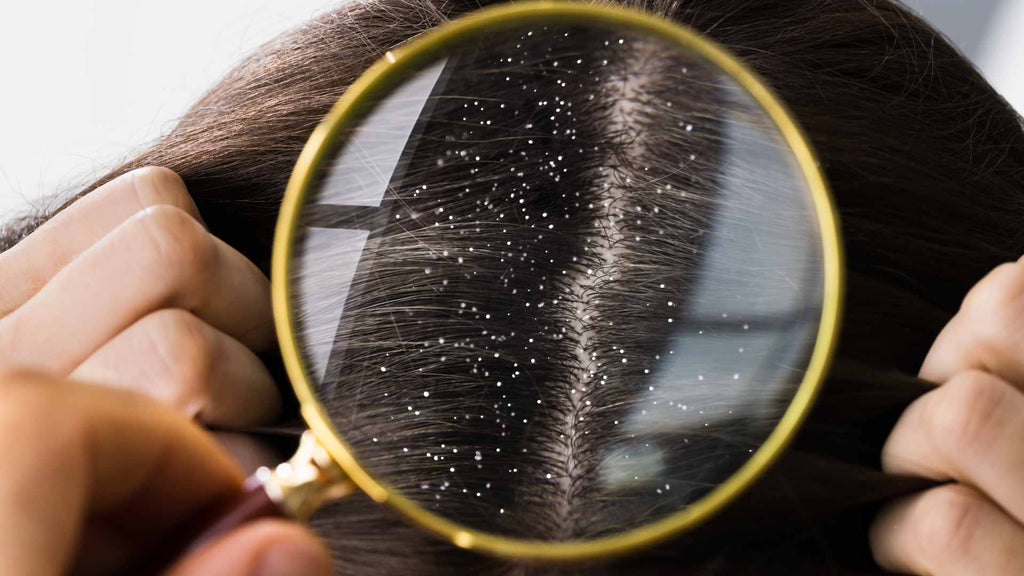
(306, 481)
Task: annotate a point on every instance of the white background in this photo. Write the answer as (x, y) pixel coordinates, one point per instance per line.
(84, 83)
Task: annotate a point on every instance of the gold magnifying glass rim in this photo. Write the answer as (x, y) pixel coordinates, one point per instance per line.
(420, 51)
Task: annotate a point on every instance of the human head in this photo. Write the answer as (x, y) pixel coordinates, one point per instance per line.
(924, 160)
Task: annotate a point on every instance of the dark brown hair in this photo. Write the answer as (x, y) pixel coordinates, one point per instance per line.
(925, 162)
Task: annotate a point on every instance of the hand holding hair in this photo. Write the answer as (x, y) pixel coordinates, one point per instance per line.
(93, 476)
(968, 431)
(127, 288)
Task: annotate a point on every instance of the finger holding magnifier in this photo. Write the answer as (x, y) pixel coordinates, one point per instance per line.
(93, 476)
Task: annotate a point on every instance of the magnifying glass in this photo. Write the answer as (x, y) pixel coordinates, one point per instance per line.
(554, 281)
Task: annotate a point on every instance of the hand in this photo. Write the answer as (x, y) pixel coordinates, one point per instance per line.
(968, 431)
(91, 475)
(127, 288)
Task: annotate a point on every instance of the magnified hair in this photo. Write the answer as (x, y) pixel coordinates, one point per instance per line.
(589, 260)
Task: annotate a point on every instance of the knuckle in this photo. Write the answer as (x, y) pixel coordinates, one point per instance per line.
(181, 244)
(949, 517)
(158, 186)
(1002, 282)
(965, 413)
(991, 301)
(188, 352)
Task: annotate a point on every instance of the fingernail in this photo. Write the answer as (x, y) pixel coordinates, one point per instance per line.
(294, 559)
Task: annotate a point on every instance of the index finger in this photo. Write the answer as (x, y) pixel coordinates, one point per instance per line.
(76, 452)
(987, 333)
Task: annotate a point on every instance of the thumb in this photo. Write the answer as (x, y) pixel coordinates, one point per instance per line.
(264, 548)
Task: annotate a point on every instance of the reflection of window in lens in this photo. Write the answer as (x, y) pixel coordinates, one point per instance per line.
(925, 162)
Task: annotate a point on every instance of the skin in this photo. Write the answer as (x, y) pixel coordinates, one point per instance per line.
(968, 433)
(126, 289)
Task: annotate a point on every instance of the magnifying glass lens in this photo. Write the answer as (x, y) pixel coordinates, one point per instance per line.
(559, 281)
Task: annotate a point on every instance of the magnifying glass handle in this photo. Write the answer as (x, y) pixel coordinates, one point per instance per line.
(253, 503)
(293, 490)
